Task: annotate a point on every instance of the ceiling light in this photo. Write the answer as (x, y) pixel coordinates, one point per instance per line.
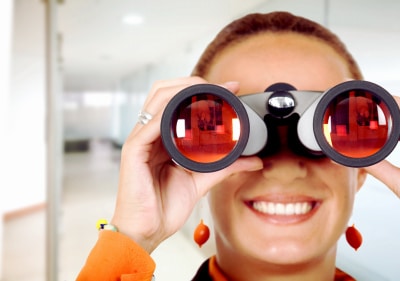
(132, 20)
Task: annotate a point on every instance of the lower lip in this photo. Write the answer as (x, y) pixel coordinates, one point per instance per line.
(285, 219)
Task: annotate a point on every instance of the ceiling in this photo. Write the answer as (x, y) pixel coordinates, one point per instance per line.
(97, 45)
(98, 49)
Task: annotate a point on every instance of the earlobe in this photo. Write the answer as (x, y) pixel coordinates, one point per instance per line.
(361, 177)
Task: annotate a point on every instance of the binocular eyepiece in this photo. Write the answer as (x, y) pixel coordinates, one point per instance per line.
(205, 127)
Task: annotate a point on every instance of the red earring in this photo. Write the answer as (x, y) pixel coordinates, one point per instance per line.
(201, 234)
(353, 237)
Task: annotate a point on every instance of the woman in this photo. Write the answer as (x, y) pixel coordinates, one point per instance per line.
(156, 197)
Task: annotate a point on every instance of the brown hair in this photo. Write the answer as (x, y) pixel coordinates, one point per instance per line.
(278, 22)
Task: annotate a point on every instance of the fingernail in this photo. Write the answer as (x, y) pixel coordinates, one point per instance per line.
(232, 86)
(255, 168)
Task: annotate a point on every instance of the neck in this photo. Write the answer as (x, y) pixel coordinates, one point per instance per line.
(241, 268)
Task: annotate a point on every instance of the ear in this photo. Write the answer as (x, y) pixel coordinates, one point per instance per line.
(361, 177)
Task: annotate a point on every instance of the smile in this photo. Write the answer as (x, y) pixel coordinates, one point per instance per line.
(282, 209)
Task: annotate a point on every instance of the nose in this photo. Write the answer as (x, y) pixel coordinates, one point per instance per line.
(284, 166)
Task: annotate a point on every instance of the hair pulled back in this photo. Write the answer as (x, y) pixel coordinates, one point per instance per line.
(276, 22)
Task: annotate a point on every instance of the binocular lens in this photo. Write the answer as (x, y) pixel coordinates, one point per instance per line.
(205, 128)
(358, 123)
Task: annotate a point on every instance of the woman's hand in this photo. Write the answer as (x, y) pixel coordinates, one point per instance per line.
(387, 172)
(155, 197)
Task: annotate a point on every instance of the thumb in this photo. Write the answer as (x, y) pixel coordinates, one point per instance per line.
(387, 173)
(205, 181)
(232, 86)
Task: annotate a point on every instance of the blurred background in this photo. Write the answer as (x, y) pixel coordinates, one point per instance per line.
(73, 76)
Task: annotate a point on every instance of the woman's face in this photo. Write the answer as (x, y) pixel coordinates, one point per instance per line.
(295, 209)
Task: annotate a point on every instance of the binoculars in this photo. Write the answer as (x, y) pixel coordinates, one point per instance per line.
(205, 127)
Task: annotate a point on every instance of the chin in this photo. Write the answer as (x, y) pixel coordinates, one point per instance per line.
(286, 252)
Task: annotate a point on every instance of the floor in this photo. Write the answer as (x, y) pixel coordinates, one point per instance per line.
(90, 181)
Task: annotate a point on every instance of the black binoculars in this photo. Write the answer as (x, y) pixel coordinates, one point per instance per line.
(205, 127)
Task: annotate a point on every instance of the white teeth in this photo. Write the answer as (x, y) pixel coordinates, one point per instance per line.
(282, 209)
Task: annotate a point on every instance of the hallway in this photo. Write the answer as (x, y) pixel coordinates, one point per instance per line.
(90, 184)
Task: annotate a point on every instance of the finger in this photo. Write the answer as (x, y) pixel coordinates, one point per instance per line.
(158, 103)
(397, 99)
(157, 95)
(149, 133)
(232, 86)
(205, 181)
(388, 174)
(162, 92)
(179, 83)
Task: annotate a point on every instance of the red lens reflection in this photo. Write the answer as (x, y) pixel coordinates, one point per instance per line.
(205, 128)
(357, 124)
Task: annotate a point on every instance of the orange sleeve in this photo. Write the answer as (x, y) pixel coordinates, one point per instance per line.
(115, 257)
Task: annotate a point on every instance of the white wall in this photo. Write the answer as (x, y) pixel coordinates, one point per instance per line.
(6, 8)
(22, 107)
(25, 131)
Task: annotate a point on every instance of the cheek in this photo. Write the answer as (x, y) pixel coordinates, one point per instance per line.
(218, 210)
(347, 183)
(223, 196)
(341, 179)
(219, 200)
(223, 202)
(344, 183)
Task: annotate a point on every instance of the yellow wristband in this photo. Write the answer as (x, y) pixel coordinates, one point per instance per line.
(102, 224)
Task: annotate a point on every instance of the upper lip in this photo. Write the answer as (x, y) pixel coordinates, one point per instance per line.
(283, 198)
